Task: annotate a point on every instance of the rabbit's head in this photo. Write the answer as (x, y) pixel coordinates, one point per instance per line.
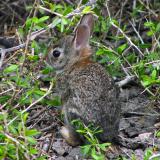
(71, 49)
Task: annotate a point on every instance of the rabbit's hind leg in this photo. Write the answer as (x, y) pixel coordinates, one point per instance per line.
(68, 132)
(70, 135)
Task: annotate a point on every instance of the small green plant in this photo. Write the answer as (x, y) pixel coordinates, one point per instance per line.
(16, 141)
(158, 134)
(147, 154)
(93, 148)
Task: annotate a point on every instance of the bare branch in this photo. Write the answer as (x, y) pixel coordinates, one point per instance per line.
(126, 81)
(4, 51)
(34, 103)
(121, 31)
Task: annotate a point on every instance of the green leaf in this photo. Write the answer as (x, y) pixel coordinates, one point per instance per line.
(85, 149)
(148, 153)
(154, 74)
(149, 24)
(158, 27)
(20, 127)
(64, 21)
(145, 45)
(56, 21)
(33, 151)
(42, 158)
(80, 131)
(33, 57)
(100, 52)
(47, 70)
(34, 20)
(86, 9)
(31, 132)
(43, 19)
(31, 140)
(146, 83)
(24, 116)
(1, 128)
(28, 23)
(56, 101)
(103, 51)
(158, 134)
(68, 10)
(52, 6)
(157, 81)
(104, 146)
(13, 129)
(21, 32)
(150, 33)
(38, 92)
(115, 22)
(4, 99)
(37, 27)
(97, 156)
(11, 68)
(121, 48)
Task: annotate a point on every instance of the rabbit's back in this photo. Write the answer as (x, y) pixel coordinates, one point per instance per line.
(91, 95)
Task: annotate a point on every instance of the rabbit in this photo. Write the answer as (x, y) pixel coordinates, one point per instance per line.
(86, 89)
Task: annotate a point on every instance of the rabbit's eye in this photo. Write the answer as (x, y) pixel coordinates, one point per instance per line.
(56, 53)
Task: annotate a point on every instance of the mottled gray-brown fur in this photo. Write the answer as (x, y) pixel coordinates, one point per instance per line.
(89, 94)
(87, 91)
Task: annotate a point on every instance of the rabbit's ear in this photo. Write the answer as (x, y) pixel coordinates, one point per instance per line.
(83, 32)
(88, 20)
(82, 36)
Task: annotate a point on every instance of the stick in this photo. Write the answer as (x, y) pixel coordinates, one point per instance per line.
(127, 80)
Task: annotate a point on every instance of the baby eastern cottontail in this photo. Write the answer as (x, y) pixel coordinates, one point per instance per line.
(87, 91)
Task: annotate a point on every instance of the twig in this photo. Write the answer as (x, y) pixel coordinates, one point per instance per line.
(41, 118)
(127, 38)
(14, 48)
(69, 2)
(7, 91)
(48, 10)
(120, 18)
(154, 156)
(14, 140)
(132, 24)
(146, 6)
(2, 57)
(29, 34)
(4, 51)
(48, 128)
(34, 103)
(36, 115)
(127, 80)
(51, 142)
(14, 13)
(77, 11)
(156, 63)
